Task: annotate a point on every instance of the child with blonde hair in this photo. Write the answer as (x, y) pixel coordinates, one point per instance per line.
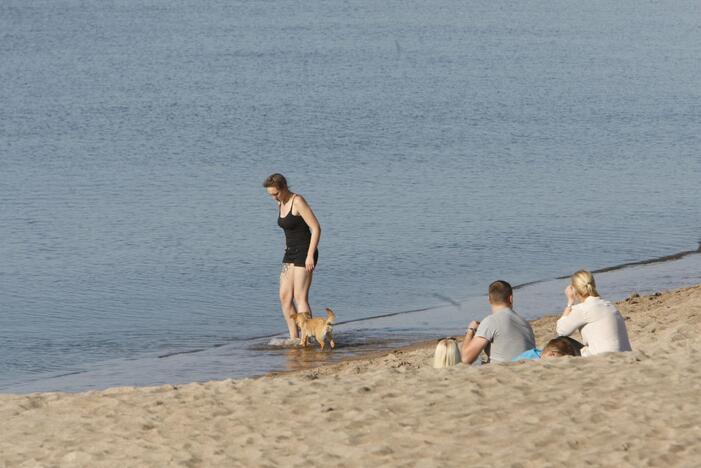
(447, 353)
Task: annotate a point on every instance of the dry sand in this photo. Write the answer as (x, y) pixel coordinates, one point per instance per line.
(629, 409)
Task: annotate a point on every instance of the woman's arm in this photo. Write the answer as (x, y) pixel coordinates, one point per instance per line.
(568, 323)
(308, 216)
(571, 296)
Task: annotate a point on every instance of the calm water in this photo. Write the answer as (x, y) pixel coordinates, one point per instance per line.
(440, 145)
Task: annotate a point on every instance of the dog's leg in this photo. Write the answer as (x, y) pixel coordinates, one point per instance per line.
(303, 339)
(331, 342)
(320, 339)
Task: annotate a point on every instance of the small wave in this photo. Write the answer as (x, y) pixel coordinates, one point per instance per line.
(189, 351)
(283, 342)
(621, 266)
(354, 339)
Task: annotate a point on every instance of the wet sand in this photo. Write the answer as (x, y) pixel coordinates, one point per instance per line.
(627, 409)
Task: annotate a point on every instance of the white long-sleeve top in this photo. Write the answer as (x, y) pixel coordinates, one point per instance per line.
(602, 326)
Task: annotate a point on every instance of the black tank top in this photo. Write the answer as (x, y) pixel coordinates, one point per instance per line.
(297, 233)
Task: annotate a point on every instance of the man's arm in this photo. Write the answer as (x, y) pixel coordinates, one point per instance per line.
(472, 345)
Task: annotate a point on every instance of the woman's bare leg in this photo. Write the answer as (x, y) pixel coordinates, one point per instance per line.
(286, 295)
(302, 283)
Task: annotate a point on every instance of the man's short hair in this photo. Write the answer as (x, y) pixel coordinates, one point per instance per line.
(499, 292)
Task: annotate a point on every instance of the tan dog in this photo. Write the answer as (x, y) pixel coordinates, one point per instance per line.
(318, 327)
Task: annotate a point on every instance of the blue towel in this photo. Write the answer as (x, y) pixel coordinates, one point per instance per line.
(530, 355)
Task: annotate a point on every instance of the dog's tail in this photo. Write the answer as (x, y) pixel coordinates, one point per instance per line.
(330, 316)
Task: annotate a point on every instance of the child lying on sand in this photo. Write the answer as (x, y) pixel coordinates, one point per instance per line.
(557, 347)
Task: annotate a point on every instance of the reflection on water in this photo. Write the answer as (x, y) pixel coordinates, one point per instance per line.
(349, 344)
(305, 358)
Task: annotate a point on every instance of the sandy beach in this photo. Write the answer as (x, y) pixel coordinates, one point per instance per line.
(629, 409)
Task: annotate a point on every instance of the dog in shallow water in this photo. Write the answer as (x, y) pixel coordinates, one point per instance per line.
(319, 328)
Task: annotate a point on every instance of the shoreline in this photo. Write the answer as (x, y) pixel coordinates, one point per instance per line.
(543, 328)
(448, 300)
(540, 324)
(406, 331)
(618, 409)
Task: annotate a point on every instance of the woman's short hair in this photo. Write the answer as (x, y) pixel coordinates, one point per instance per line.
(583, 282)
(447, 353)
(275, 180)
(562, 346)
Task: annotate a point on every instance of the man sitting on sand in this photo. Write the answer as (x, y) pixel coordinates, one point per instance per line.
(504, 333)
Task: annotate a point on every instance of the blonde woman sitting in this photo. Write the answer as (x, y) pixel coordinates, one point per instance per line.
(601, 325)
(447, 353)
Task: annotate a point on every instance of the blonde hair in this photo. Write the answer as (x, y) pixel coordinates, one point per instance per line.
(583, 282)
(447, 353)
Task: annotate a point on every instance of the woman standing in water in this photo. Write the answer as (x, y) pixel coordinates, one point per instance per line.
(302, 232)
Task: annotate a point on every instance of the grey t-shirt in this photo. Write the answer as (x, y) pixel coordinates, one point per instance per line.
(508, 333)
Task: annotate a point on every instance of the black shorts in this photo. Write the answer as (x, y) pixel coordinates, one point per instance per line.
(298, 255)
